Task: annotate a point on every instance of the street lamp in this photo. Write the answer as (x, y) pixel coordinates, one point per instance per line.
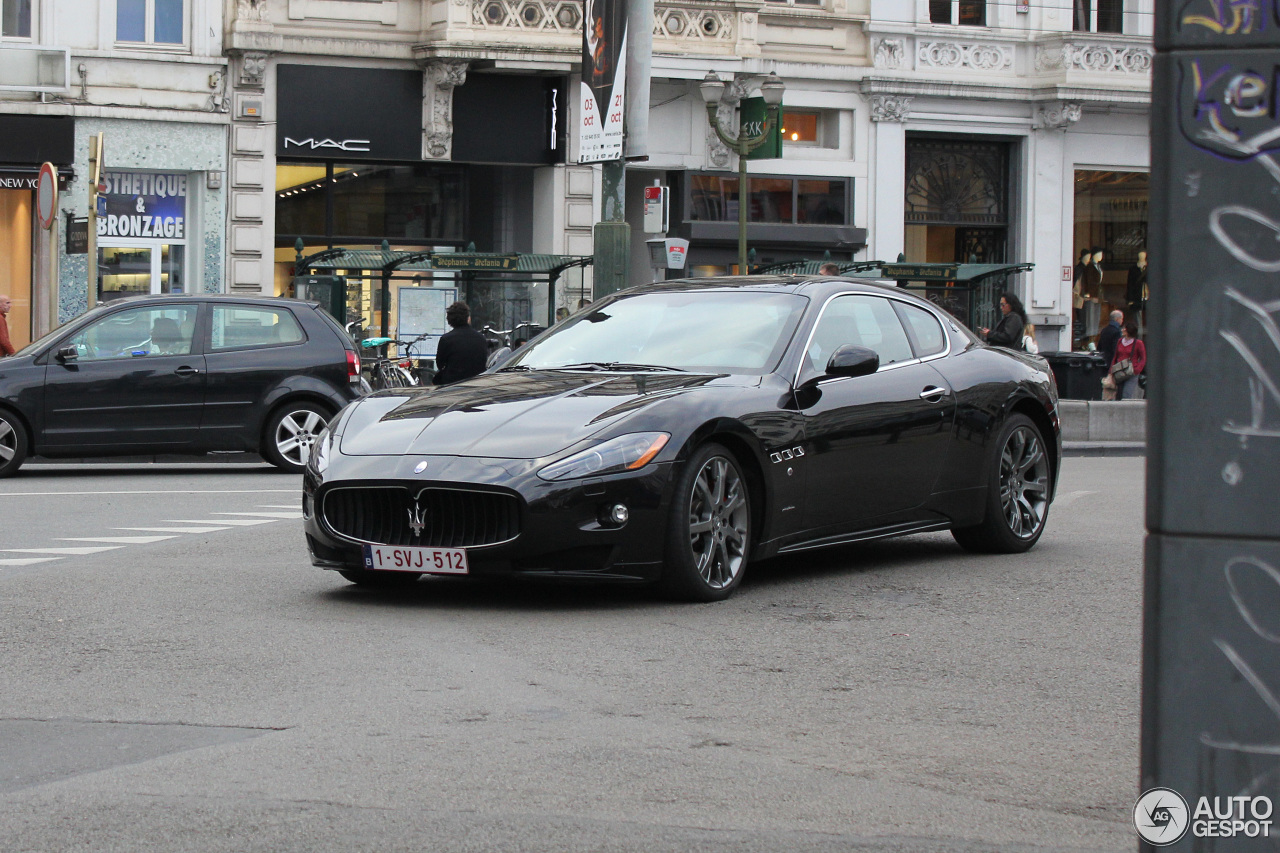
(771, 90)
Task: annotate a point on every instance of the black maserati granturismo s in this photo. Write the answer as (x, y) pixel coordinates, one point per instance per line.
(674, 432)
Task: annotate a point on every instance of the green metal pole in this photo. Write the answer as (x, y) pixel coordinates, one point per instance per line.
(743, 204)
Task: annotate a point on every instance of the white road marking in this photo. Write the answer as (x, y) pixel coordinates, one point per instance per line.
(122, 540)
(173, 529)
(237, 522)
(26, 561)
(271, 515)
(66, 552)
(293, 507)
(154, 492)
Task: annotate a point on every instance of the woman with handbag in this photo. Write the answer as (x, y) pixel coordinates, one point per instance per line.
(1008, 331)
(1129, 362)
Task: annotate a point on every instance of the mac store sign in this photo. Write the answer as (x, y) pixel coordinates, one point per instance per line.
(345, 114)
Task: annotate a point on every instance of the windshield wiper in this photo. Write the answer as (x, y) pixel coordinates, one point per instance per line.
(619, 365)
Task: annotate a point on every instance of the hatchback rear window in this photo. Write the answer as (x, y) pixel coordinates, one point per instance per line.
(237, 327)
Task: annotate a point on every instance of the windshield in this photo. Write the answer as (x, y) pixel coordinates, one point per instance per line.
(722, 331)
(31, 348)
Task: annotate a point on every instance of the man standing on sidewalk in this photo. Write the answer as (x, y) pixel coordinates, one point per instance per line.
(1109, 337)
(6, 346)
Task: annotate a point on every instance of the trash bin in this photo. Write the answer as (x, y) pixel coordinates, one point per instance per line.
(1078, 374)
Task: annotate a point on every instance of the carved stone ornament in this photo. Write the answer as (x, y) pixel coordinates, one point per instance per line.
(890, 107)
(251, 11)
(890, 53)
(979, 57)
(437, 106)
(1095, 57)
(253, 69)
(1058, 116)
(718, 154)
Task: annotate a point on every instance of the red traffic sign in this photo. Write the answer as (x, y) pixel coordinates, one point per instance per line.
(47, 195)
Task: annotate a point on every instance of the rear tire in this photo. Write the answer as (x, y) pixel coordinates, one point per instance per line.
(290, 435)
(380, 580)
(13, 443)
(1017, 504)
(709, 529)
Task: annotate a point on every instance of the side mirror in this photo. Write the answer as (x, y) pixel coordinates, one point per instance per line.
(850, 360)
(68, 353)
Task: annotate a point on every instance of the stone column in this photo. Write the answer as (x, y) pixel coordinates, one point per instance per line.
(889, 178)
(437, 106)
(1049, 190)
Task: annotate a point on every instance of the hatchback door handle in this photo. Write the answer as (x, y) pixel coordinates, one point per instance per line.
(185, 370)
(933, 394)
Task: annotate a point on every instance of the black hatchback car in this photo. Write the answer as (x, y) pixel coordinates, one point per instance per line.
(179, 374)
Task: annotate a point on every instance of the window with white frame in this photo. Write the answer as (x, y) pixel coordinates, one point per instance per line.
(1097, 16)
(158, 22)
(15, 19)
(967, 13)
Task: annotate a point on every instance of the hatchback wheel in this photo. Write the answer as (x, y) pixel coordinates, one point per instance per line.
(709, 537)
(13, 443)
(1021, 481)
(291, 435)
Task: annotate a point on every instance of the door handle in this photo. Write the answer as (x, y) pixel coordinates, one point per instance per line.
(933, 394)
(185, 370)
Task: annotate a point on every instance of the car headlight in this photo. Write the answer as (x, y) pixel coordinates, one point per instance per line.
(624, 453)
(318, 461)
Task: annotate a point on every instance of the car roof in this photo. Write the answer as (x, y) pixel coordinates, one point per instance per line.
(807, 285)
(205, 297)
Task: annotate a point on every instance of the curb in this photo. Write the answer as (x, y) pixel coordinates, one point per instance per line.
(1104, 448)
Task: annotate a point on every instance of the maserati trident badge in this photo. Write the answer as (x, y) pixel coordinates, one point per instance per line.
(420, 467)
(417, 519)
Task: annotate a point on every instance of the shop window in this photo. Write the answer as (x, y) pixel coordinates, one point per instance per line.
(810, 129)
(1111, 216)
(795, 201)
(1097, 16)
(157, 22)
(15, 19)
(967, 13)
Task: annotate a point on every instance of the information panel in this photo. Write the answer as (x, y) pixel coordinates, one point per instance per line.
(422, 312)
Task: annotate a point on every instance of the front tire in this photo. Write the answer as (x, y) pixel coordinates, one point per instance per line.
(290, 436)
(1021, 481)
(13, 443)
(709, 531)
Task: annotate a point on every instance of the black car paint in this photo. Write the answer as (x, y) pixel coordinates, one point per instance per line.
(804, 458)
(191, 403)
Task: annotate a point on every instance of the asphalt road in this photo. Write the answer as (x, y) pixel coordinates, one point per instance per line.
(211, 691)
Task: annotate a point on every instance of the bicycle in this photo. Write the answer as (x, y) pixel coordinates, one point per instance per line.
(503, 342)
(385, 372)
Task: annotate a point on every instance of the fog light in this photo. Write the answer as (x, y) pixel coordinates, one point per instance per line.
(618, 514)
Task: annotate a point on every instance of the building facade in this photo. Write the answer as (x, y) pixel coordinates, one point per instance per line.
(149, 75)
(940, 130)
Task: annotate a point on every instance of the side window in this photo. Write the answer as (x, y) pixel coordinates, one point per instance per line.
(928, 331)
(237, 327)
(865, 321)
(138, 333)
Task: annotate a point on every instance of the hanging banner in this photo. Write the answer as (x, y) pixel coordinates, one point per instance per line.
(604, 75)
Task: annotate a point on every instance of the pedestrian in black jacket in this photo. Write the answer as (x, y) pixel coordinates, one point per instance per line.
(1008, 331)
(1109, 337)
(462, 351)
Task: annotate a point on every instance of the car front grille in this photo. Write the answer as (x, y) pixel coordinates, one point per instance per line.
(438, 518)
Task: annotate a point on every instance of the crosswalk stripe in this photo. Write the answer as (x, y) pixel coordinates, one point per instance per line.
(122, 540)
(69, 552)
(25, 561)
(272, 515)
(237, 522)
(293, 507)
(173, 529)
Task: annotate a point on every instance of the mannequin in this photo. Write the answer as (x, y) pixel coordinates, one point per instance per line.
(1135, 292)
(1092, 309)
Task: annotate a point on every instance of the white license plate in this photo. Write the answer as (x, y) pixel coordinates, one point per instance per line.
(436, 561)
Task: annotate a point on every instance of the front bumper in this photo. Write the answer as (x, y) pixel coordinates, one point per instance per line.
(562, 531)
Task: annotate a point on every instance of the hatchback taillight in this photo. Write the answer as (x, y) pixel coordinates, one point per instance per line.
(353, 367)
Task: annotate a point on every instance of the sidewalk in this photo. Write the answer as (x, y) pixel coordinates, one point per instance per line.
(1097, 428)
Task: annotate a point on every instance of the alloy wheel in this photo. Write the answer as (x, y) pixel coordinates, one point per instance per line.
(297, 433)
(8, 441)
(1024, 482)
(718, 522)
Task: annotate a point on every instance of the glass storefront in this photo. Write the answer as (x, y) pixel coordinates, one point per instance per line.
(142, 240)
(794, 201)
(1110, 236)
(17, 217)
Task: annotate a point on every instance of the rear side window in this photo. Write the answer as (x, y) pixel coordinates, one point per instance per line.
(928, 332)
(238, 327)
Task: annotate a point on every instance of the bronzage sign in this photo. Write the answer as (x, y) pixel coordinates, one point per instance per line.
(144, 205)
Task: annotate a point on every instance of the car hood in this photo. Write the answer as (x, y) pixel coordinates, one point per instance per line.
(505, 415)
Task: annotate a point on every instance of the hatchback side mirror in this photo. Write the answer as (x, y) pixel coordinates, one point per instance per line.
(850, 360)
(68, 353)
